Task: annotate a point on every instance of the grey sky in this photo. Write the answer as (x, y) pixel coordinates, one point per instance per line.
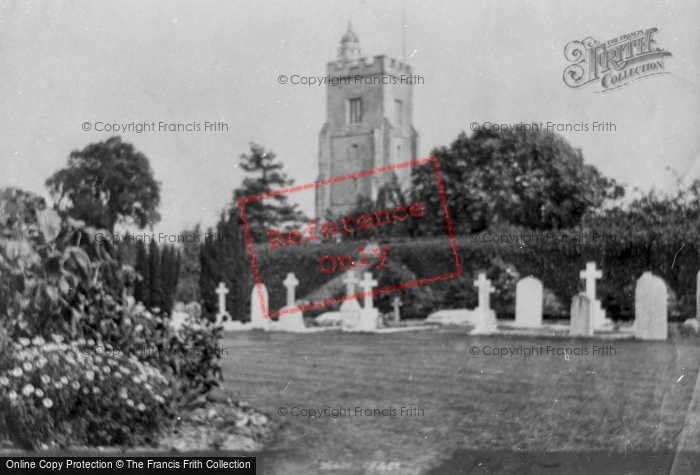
(63, 63)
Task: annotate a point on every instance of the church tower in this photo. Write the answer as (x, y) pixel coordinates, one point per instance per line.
(369, 110)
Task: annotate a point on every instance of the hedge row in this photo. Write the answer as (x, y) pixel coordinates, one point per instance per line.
(557, 264)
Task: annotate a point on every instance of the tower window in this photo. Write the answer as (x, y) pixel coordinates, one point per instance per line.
(398, 112)
(354, 111)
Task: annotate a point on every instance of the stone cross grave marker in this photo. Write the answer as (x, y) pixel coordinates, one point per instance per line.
(369, 316)
(528, 302)
(485, 290)
(590, 275)
(291, 283)
(222, 291)
(485, 317)
(397, 303)
(650, 308)
(368, 285)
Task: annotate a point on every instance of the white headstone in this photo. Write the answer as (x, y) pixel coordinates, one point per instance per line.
(221, 291)
(485, 317)
(396, 303)
(290, 282)
(528, 302)
(581, 315)
(651, 308)
(257, 317)
(194, 309)
(350, 309)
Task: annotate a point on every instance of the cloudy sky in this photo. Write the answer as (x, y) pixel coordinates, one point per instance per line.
(63, 63)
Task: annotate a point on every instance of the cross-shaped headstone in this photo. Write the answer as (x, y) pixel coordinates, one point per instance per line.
(485, 290)
(368, 285)
(290, 282)
(350, 282)
(591, 275)
(221, 291)
(397, 308)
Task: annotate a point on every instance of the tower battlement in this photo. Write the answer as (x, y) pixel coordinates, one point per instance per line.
(368, 125)
(369, 67)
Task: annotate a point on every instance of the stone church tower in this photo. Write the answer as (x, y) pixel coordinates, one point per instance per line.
(369, 110)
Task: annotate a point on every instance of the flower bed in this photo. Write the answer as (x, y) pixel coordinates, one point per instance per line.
(55, 394)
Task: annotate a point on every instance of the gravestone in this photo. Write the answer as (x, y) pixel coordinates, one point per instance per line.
(485, 318)
(650, 308)
(194, 309)
(528, 302)
(581, 315)
(397, 303)
(369, 316)
(257, 316)
(221, 291)
(350, 309)
(179, 307)
(590, 275)
(294, 321)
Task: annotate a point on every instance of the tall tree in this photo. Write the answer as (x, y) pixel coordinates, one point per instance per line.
(190, 267)
(106, 183)
(535, 180)
(270, 213)
(155, 278)
(142, 288)
(227, 261)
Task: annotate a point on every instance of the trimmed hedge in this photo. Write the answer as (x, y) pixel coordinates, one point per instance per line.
(557, 264)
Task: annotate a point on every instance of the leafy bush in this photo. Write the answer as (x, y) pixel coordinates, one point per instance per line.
(55, 279)
(61, 394)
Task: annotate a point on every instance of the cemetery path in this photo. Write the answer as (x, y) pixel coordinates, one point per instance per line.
(480, 414)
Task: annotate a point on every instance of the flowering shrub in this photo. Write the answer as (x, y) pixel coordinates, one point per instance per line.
(62, 394)
(55, 279)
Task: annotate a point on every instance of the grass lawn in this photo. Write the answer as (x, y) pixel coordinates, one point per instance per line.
(476, 410)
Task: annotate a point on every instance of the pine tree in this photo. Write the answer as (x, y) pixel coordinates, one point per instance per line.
(270, 213)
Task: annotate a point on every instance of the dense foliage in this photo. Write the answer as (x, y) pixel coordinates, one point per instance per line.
(106, 183)
(535, 180)
(159, 272)
(55, 282)
(226, 261)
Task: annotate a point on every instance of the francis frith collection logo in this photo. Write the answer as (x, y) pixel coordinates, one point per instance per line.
(614, 63)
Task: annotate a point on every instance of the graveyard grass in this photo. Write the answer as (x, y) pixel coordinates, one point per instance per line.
(631, 402)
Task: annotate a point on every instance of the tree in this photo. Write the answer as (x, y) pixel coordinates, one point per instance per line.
(227, 261)
(536, 180)
(190, 267)
(155, 283)
(270, 213)
(142, 289)
(106, 183)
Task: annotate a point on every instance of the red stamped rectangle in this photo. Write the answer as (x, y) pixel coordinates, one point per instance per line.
(353, 176)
